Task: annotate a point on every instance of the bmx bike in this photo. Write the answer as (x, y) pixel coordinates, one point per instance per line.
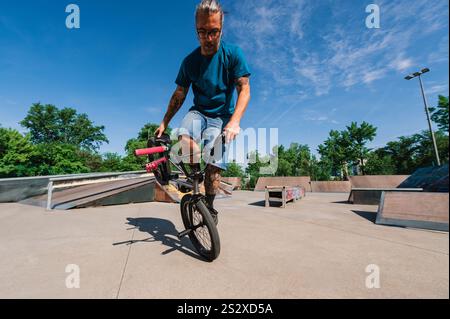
(197, 217)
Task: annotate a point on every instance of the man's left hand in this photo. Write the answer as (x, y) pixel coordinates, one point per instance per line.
(231, 130)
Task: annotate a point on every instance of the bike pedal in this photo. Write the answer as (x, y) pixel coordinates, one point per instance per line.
(184, 233)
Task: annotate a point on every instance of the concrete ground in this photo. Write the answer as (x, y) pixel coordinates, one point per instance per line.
(319, 247)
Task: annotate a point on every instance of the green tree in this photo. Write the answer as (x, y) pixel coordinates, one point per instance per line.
(253, 169)
(425, 155)
(48, 124)
(233, 170)
(379, 163)
(409, 153)
(149, 131)
(347, 147)
(294, 161)
(320, 170)
(16, 153)
(93, 161)
(58, 159)
(359, 136)
(285, 167)
(132, 162)
(439, 114)
(403, 153)
(112, 162)
(337, 151)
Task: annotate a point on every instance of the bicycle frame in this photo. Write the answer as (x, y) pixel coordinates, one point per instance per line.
(152, 166)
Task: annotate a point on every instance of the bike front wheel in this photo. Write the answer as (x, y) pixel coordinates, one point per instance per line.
(203, 235)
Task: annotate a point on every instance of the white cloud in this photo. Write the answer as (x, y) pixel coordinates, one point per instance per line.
(296, 54)
(438, 89)
(401, 64)
(371, 76)
(440, 54)
(315, 116)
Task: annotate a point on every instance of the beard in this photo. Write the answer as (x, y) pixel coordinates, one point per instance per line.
(211, 48)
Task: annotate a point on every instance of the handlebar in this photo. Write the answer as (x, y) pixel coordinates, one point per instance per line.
(150, 167)
(161, 149)
(151, 150)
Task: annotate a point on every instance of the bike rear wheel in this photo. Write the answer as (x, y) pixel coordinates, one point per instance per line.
(204, 235)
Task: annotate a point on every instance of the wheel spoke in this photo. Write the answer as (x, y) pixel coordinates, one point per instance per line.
(200, 230)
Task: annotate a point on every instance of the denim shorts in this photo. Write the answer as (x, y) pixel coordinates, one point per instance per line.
(204, 129)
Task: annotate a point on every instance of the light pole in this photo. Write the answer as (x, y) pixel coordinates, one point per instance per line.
(412, 76)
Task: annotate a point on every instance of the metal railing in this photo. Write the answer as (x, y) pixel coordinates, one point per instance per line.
(88, 178)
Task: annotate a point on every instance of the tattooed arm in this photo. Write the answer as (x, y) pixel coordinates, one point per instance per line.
(243, 88)
(175, 104)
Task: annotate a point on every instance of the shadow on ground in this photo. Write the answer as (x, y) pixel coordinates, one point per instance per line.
(262, 203)
(342, 202)
(162, 231)
(370, 216)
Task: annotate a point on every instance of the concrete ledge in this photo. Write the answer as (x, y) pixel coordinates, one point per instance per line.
(377, 181)
(418, 210)
(331, 187)
(372, 196)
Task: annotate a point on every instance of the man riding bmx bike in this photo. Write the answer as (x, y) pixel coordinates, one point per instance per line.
(213, 70)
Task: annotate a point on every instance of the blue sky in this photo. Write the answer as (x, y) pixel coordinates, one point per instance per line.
(315, 65)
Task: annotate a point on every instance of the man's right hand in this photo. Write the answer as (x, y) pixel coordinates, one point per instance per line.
(160, 130)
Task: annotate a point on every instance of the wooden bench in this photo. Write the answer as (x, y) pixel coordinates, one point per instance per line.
(283, 194)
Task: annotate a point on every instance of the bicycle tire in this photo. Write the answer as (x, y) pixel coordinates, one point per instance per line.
(189, 206)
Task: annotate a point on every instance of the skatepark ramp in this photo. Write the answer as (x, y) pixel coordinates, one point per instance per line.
(85, 190)
(429, 178)
(64, 192)
(428, 209)
(418, 210)
(18, 188)
(299, 181)
(331, 186)
(367, 189)
(378, 181)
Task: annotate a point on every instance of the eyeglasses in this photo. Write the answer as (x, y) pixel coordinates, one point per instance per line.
(203, 34)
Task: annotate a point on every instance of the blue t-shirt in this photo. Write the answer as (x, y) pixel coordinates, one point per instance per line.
(212, 79)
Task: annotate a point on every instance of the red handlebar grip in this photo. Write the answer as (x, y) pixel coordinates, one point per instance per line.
(154, 165)
(151, 150)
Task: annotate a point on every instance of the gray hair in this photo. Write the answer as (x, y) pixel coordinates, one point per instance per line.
(209, 7)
